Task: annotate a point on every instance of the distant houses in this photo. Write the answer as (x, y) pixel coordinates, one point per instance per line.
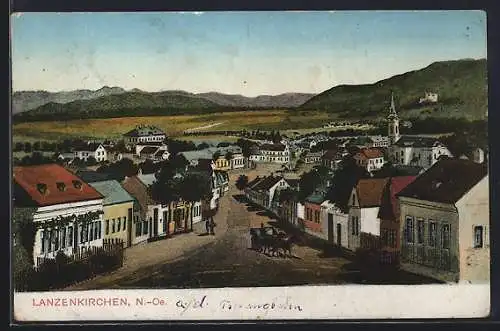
(370, 158)
(87, 150)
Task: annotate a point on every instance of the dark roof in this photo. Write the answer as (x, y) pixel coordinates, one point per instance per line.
(409, 141)
(86, 146)
(90, 176)
(273, 147)
(139, 192)
(331, 155)
(145, 131)
(149, 150)
(293, 182)
(52, 184)
(446, 181)
(408, 170)
(254, 181)
(267, 182)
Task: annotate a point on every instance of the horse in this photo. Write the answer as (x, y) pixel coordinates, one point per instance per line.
(284, 245)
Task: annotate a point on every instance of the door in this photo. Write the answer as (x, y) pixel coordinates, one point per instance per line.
(339, 234)
(130, 229)
(165, 222)
(155, 222)
(330, 228)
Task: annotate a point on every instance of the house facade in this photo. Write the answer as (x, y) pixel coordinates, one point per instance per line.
(96, 151)
(331, 159)
(390, 235)
(272, 153)
(262, 192)
(335, 224)
(50, 193)
(417, 151)
(371, 159)
(313, 221)
(144, 133)
(364, 204)
(118, 207)
(313, 157)
(444, 219)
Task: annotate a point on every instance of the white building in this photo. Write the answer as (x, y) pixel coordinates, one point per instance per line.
(272, 153)
(45, 194)
(370, 158)
(335, 224)
(85, 151)
(429, 97)
(364, 205)
(417, 151)
(445, 223)
(144, 133)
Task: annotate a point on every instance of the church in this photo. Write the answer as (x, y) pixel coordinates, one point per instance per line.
(412, 150)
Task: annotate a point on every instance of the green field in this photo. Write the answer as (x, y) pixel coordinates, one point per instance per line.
(173, 125)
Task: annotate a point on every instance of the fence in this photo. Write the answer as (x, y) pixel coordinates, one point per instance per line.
(84, 263)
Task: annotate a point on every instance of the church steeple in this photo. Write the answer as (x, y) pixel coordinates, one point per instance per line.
(393, 121)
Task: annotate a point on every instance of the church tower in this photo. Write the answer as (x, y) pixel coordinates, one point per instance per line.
(393, 122)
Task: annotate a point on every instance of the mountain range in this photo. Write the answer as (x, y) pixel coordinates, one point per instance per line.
(28, 100)
(461, 86)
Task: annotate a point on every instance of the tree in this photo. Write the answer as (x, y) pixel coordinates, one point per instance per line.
(91, 161)
(27, 147)
(22, 268)
(228, 156)
(120, 169)
(216, 155)
(193, 188)
(203, 145)
(18, 147)
(36, 146)
(241, 182)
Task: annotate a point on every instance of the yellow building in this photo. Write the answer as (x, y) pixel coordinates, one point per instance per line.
(222, 164)
(118, 211)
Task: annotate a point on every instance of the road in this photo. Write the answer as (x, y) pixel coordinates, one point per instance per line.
(225, 260)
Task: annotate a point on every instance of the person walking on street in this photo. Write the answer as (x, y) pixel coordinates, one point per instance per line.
(207, 225)
(212, 227)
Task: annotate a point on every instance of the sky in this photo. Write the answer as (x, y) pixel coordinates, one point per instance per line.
(248, 53)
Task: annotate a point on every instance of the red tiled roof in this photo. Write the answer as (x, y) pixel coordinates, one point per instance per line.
(370, 191)
(29, 178)
(369, 153)
(389, 208)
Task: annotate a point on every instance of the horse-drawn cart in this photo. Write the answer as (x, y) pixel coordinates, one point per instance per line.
(270, 241)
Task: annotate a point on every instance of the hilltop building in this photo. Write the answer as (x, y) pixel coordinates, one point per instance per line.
(143, 133)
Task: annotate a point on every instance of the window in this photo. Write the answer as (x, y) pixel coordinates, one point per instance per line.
(354, 223)
(445, 236)
(392, 238)
(138, 229)
(421, 231)
(70, 236)
(316, 216)
(91, 231)
(113, 226)
(49, 241)
(82, 233)
(107, 227)
(478, 236)
(43, 235)
(145, 228)
(432, 234)
(124, 227)
(63, 238)
(409, 230)
(118, 224)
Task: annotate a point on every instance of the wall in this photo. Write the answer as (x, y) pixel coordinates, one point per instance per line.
(67, 209)
(369, 221)
(353, 239)
(473, 210)
(117, 211)
(422, 258)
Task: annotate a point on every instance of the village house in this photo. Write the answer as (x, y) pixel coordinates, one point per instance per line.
(445, 219)
(331, 159)
(118, 208)
(335, 224)
(313, 221)
(371, 159)
(95, 150)
(418, 151)
(144, 133)
(313, 157)
(272, 153)
(364, 204)
(156, 151)
(390, 236)
(53, 199)
(288, 206)
(262, 192)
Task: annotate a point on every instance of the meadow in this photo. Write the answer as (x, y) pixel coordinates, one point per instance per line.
(173, 125)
